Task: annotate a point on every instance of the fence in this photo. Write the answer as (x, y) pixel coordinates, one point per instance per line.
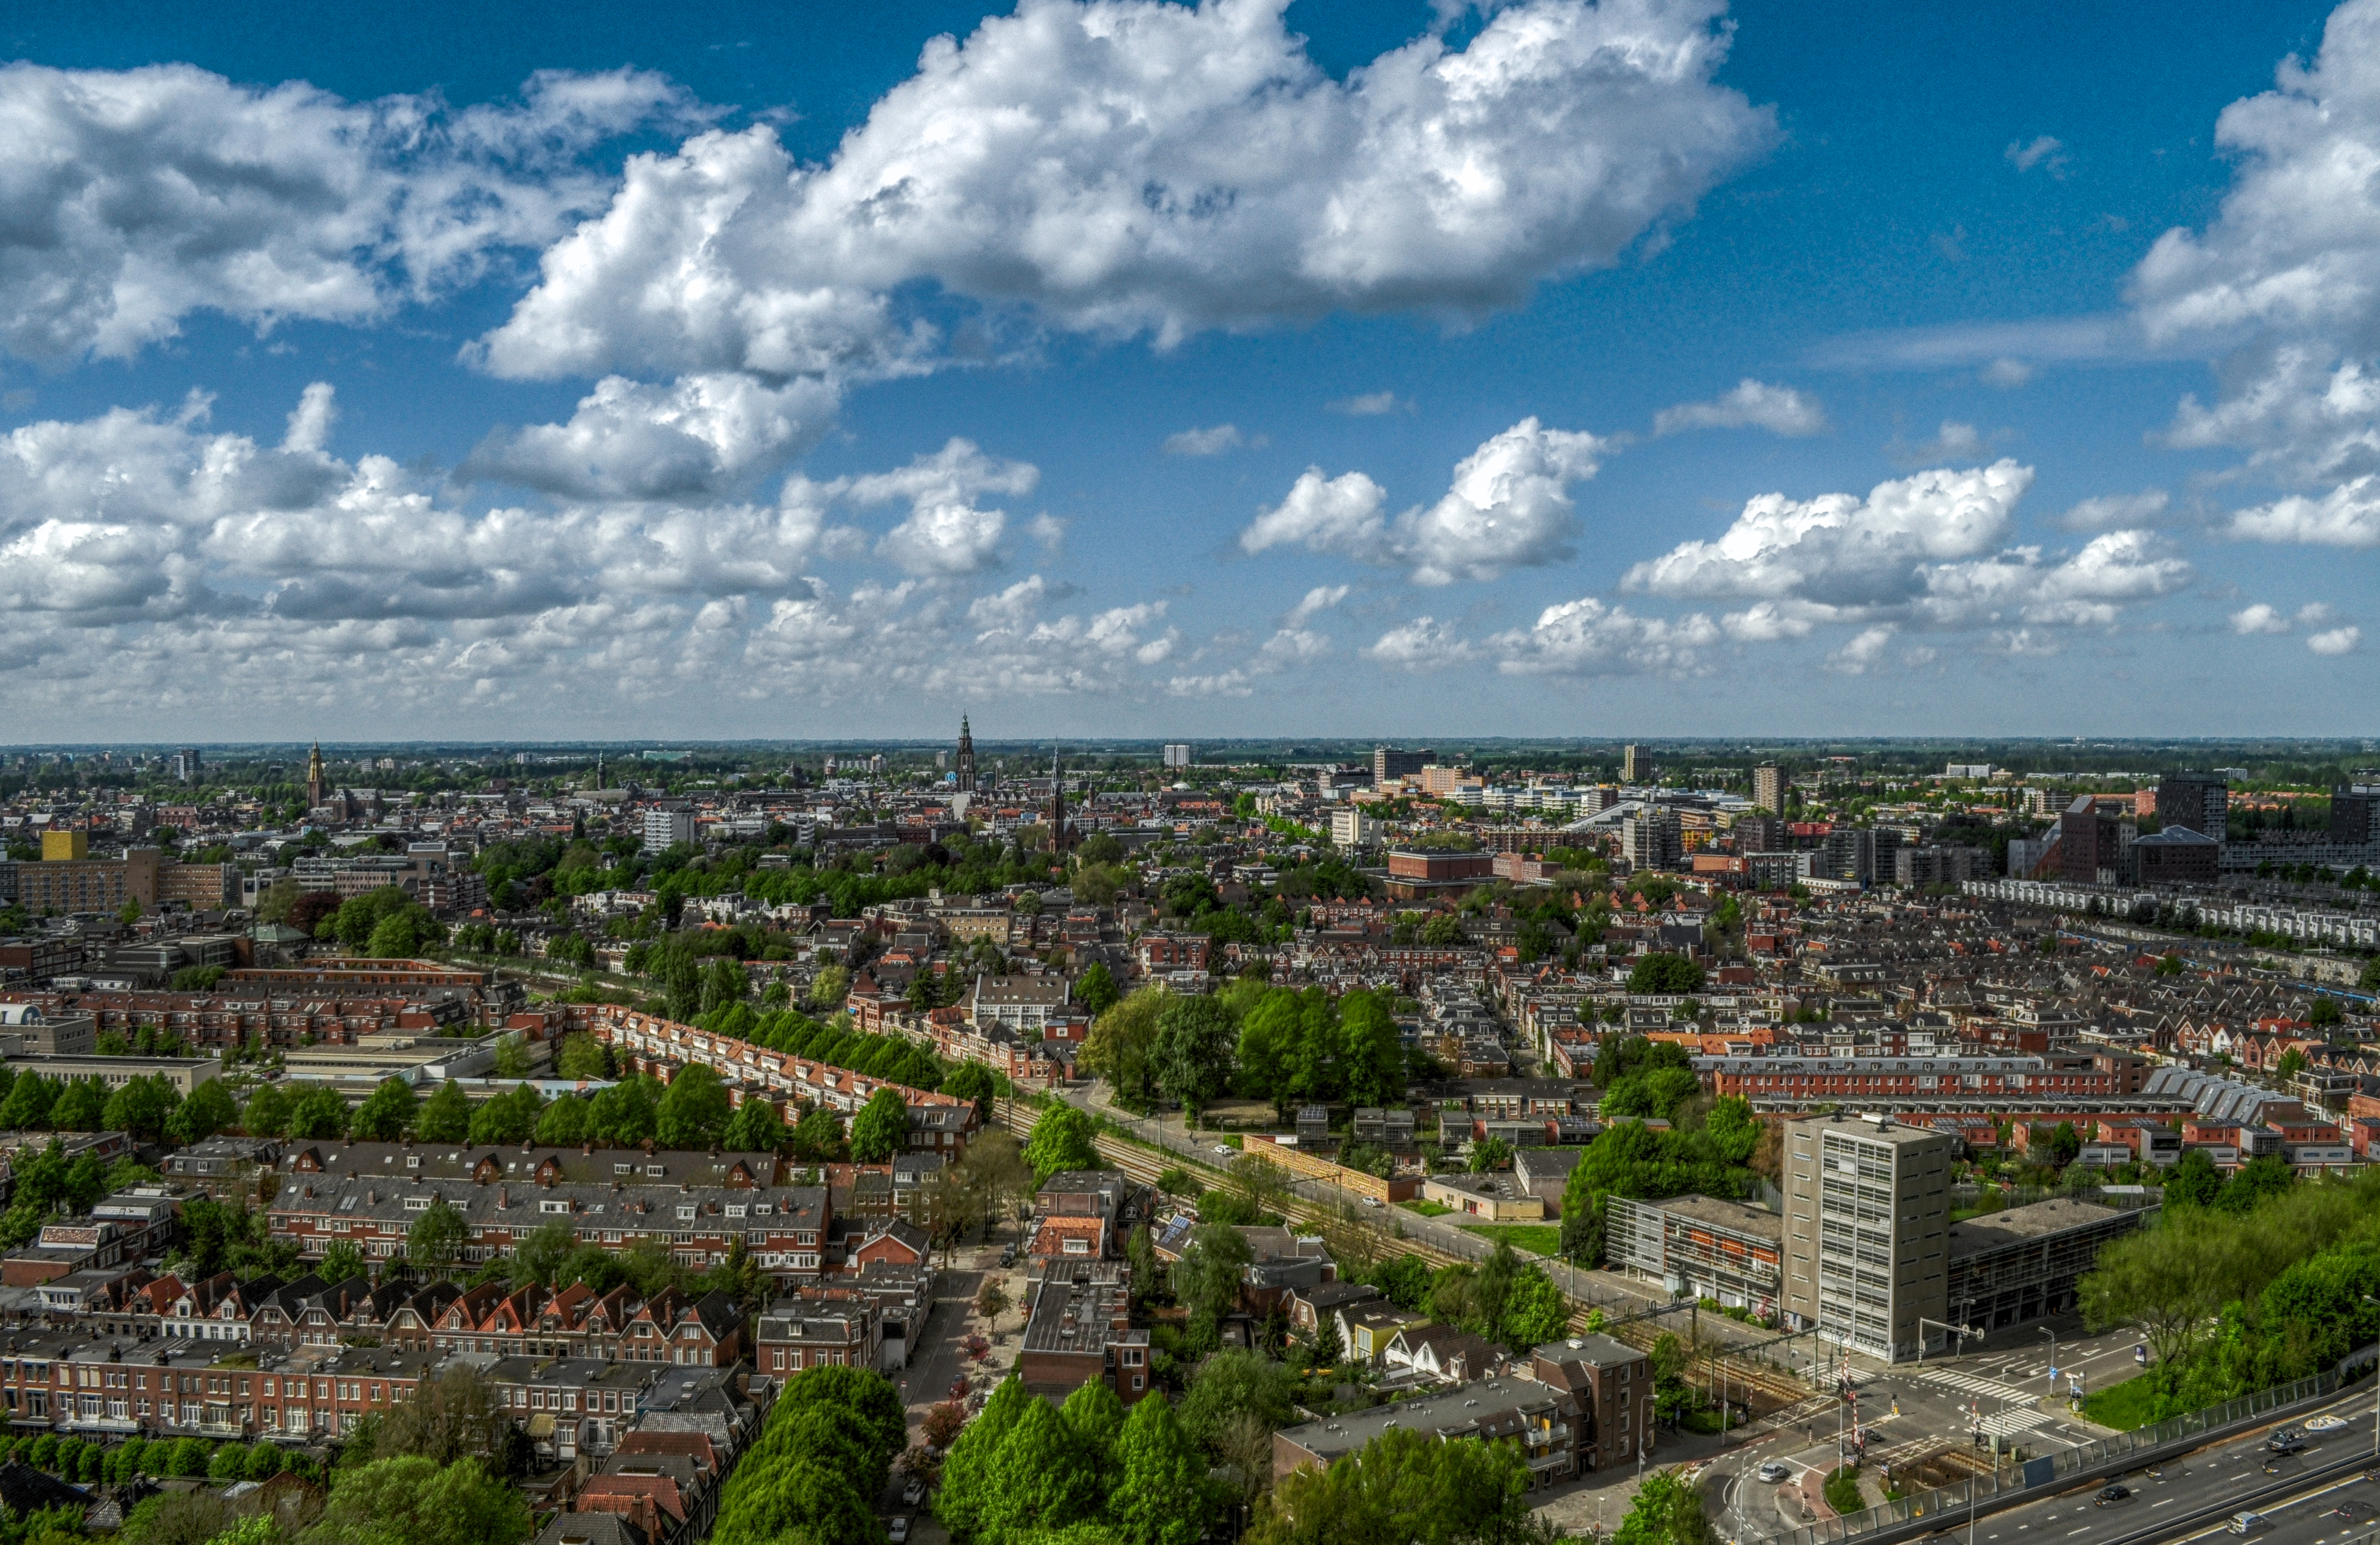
(2048, 1471)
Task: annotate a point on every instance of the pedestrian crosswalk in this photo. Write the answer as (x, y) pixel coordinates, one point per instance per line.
(1976, 1384)
(2016, 1418)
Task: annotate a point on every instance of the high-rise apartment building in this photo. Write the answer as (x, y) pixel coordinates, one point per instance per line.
(666, 826)
(1636, 765)
(2200, 801)
(1867, 1221)
(2354, 814)
(186, 766)
(1768, 787)
(1651, 839)
(1177, 755)
(1388, 763)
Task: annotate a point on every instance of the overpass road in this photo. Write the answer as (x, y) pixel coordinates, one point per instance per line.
(2321, 1496)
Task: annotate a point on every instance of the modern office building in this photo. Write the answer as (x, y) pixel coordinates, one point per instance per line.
(1723, 1251)
(2090, 844)
(2200, 801)
(2354, 814)
(1389, 764)
(2025, 1263)
(1867, 1217)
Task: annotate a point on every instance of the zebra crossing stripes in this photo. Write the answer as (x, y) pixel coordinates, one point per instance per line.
(1999, 1424)
(1974, 1384)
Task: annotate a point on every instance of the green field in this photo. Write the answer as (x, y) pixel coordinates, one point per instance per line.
(1543, 1239)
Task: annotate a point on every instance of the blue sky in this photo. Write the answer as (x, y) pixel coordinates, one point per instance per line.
(1121, 368)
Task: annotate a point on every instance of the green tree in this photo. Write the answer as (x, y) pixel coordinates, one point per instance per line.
(626, 1114)
(208, 1111)
(964, 1503)
(1664, 974)
(413, 1501)
(582, 1056)
(385, 1113)
(1666, 1511)
(510, 1117)
(1037, 1480)
(434, 1242)
(694, 1109)
(27, 1109)
(756, 1128)
(81, 1106)
(1061, 1140)
(828, 988)
(144, 1107)
(1373, 1055)
(445, 1116)
(1402, 1488)
(1534, 1311)
(1094, 1414)
(565, 1122)
(1268, 1050)
(818, 1136)
(1095, 989)
(2194, 1182)
(1194, 1039)
(1238, 1383)
(1122, 1046)
(342, 1261)
(319, 1113)
(881, 1129)
(511, 1056)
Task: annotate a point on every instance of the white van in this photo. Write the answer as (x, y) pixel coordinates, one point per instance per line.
(2246, 1522)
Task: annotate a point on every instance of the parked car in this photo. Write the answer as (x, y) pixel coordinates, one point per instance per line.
(1227, 1150)
(2113, 1494)
(1008, 1254)
(897, 1530)
(1371, 1201)
(1776, 1470)
(913, 1493)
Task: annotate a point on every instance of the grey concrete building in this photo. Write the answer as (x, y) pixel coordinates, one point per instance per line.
(1867, 1217)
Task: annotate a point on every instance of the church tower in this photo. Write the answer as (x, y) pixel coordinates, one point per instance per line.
(1060, 838)
(967, 757)
(318, 784)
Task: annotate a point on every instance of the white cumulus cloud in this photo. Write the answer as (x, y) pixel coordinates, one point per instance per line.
(2259, 618)
(2338, 640)
(1208, 441)
(1586, 638)
(1752, 404)
(1125, 168)
(2348, 515)
(2116, 511)
(132, 199)
(1508, 507)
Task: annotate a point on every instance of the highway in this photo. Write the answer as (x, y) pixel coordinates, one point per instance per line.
(2317, 1497)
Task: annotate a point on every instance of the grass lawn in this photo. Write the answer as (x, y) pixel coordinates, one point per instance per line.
(1426, 1209)
(2123, 1406)
(1543, 1239)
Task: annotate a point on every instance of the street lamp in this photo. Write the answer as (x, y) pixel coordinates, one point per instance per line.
(2053, 1356)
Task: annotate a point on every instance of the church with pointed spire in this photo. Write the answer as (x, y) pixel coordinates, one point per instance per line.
(317, 783)
(965, 756)
(1060, 838)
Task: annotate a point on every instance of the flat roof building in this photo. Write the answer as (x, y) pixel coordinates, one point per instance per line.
(1867, 1213)
(2025, 1263)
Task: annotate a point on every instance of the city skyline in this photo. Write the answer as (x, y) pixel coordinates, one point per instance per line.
(1696, 371)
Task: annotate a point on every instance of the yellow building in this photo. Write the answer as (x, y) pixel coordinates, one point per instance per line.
(64, 846)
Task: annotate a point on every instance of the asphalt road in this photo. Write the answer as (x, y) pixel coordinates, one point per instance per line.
(2308, 1510)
